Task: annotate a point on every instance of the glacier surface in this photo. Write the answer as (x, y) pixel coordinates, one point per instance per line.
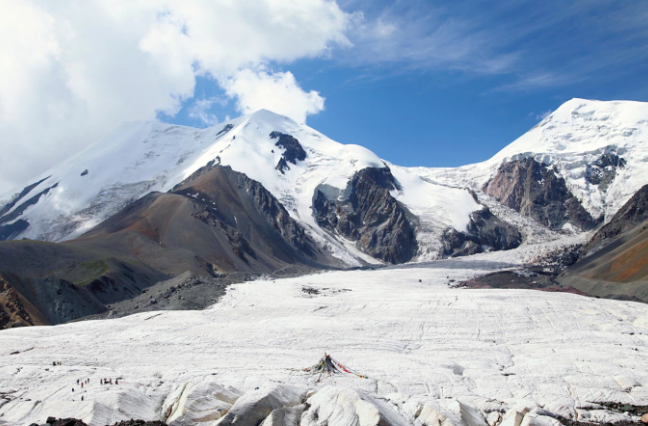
(432, 354)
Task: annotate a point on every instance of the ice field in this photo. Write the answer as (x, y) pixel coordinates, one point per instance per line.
(432, 354)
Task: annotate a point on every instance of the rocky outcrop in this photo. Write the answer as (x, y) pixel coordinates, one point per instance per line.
(23, 206)
(264, 203)
(12, 230)
(232, 202)
(40, 301)
(293, 151)
(19, 196)
(485, 232)
(537, 191)
(52, 421)
(9, 230)
(603, 171)
(633, 213)
(276, 215)
(12, 309)
(368, 214)
(225, 129)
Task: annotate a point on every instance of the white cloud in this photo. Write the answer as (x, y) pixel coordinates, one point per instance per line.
(72, 71)
(200, 111)
(278, 92)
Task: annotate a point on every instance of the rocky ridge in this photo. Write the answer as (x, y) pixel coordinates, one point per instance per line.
(633, 213)
(485, 232)
(367, 214)
(215, 223)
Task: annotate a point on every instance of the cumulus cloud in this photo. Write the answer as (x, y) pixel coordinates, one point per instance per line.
(278, 92)
(72, 71)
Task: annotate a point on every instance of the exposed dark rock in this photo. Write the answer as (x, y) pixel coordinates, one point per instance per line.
(293, 150)
(485, 232)
(617, 270)
(20, 196)
(49, 300)
(9, 232)
(532, 278)
(198, 173)
(633, 213)
(12, 230)
(52, 421)
(225, 129)
(216, 222)
(492, 231)
(628, 409)
(264, 203)
(558, 260)
(12, 309)
(611, 159)
(325, 211)
(603, 171)
(537, 191)
(457, 243)
(85, 172)
(276, 215)
(370, 216)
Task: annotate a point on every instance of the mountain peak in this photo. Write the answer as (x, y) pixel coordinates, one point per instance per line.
(265, 115)
(581, 126)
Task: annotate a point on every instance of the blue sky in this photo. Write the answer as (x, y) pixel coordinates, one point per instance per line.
(454, 82)
(419, 82)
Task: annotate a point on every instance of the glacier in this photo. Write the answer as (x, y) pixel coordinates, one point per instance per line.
(432, 354)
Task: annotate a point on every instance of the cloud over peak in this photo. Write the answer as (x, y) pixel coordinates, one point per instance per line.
(278, 92)
(70, 71)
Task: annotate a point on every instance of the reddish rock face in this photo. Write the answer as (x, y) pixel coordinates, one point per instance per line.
(535, 190)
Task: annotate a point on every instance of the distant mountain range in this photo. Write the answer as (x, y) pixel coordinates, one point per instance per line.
(262, 193)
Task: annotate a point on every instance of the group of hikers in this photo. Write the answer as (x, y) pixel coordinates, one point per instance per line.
(103, 381)
(82, 383)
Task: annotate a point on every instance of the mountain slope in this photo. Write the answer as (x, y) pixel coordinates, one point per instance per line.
(293, 162)
(614, 262)
(216, 221)
(633, 213)
(568, 174)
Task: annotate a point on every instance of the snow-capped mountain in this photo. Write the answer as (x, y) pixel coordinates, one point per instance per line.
(141, 157)
(570, 172)
(580, 141)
